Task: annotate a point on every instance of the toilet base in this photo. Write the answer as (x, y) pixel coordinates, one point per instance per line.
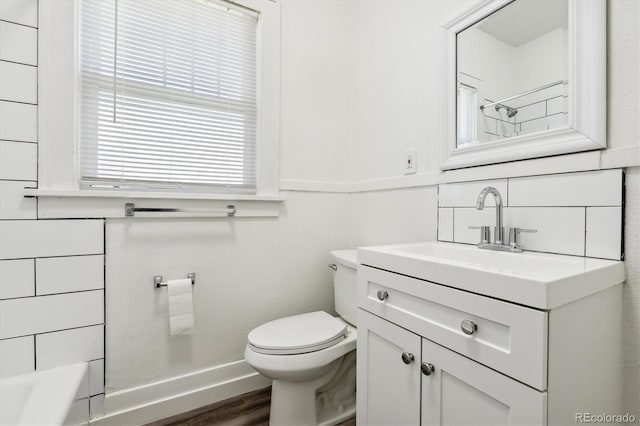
(326, 400)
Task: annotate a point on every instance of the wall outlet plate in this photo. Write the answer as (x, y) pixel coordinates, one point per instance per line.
(410, 161)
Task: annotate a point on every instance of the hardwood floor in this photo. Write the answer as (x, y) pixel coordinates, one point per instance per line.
(249, 409)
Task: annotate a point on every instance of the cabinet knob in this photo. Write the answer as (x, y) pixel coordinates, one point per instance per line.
(382, 295)
(468, 327)
(407, 357)
(427, 368)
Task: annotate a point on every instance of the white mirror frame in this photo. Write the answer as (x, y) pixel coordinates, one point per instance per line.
(587, 88)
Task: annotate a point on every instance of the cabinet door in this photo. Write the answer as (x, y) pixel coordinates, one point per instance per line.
(460, 391)
(388, 382)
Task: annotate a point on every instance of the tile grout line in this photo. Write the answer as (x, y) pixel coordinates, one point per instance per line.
(52, 331)
(19, 23)
(585, 231)
(19, 102)
(18, 141)
(52, 294)
(19, 63)
(49, 257)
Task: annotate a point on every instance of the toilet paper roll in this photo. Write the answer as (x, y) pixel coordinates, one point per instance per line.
(180, 306)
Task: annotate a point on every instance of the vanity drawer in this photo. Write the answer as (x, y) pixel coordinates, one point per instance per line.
(509, 338)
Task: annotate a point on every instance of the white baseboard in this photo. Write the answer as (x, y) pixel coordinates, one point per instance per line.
(166, 398)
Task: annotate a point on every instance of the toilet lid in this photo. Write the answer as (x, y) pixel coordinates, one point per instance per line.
(297, 334)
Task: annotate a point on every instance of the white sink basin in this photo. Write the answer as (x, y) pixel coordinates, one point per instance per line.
(540, 280)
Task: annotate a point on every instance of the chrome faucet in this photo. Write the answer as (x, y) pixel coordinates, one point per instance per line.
(498, 243)
(498, 232)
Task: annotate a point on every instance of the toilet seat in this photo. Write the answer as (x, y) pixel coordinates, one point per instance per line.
(297, 334)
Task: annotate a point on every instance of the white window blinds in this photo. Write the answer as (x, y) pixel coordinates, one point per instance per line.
(467, 105)
(168, 95)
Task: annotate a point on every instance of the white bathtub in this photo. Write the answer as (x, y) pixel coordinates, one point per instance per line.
(41, 398)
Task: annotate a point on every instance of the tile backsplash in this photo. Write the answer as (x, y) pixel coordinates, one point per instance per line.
(51, 271)
(578, 214)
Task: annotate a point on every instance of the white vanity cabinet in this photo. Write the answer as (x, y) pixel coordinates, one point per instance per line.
(432, 354)
(391, 395)
(397, 390)
(462, 392)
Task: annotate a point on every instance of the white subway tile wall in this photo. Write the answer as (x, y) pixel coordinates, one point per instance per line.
(23, 12)
(18, 83)
(595, 188)
(541, 110)
(559, 229)
(556, 105)
(16, 356)
(531, 112)
(47, 238)
(465, 217)
(69, 346)
(68, 274)
(18, 43)
(445, 224)
(43, 314)
(96, 377)
(79, 413)
(18, 160)
(96, 406)
(466, 194)
(18, 122)
(14, 205)
(574, 213)
(17, 278)
(604, 226)
(51, 271)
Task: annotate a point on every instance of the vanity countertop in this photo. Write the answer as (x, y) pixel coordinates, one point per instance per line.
(540, 280)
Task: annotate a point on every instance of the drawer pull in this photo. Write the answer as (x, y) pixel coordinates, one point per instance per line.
(407, 357)
(427, 368)
(382, 295)
(468, 327)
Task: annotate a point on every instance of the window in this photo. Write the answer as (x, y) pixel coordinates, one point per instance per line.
(467, 104)
(168, 95)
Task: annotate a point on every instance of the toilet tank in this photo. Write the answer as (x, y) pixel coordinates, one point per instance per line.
(344, 284)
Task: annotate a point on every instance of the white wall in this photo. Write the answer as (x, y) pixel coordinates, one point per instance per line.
(403, 215)
(249, 271)
(540, 61)
(316, 74)
(631, 295)
(397, 57)
(489, 59)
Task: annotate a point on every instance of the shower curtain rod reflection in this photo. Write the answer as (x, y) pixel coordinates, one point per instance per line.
(528, 92)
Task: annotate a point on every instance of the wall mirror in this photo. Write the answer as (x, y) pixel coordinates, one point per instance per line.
(524, 79)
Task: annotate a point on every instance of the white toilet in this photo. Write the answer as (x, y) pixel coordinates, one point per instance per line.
(311, 357)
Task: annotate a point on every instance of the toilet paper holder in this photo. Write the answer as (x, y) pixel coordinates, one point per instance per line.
(158, 280)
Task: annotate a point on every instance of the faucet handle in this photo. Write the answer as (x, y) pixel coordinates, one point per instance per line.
(514, 235)
(485, 233)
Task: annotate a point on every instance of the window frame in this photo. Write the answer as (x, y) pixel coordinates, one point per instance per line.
(58, 124)
(471, 107)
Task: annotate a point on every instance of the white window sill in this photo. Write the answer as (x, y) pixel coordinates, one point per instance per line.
(56, 203)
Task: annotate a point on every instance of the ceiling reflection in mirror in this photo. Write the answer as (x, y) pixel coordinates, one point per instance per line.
(512, 72)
